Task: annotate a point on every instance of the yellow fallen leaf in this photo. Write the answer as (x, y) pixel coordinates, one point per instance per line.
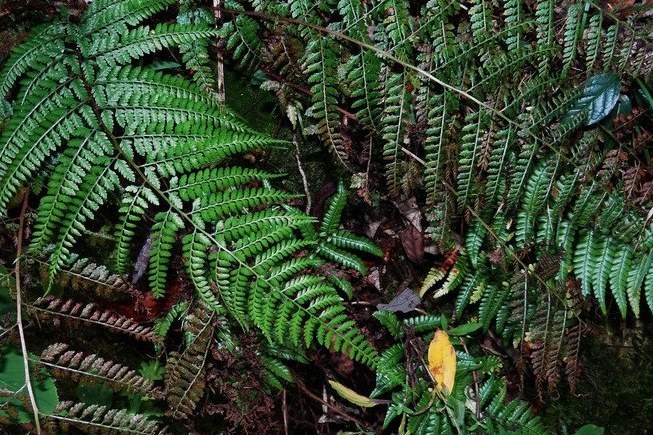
(442, 361)
(351, 396)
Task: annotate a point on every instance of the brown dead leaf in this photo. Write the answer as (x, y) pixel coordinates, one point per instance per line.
(412, 240)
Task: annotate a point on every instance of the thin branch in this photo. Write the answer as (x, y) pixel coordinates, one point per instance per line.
(307, 190)
(325, 403)
(285, 412)
(217, 10)
(19, 314)
(279, 78)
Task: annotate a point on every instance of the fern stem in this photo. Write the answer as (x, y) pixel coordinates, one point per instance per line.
(19, 314)
(300, 167)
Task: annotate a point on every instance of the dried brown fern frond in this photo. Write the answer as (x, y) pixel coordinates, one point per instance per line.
(96, 419)
(86, 277)
(56, 309)
(185, 379)
(63, 362)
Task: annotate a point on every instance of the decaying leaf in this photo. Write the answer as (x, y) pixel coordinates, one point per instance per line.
(442, 361)
(353, 397)
(404, 302)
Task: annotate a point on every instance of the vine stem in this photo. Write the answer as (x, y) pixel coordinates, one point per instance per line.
(19, 314)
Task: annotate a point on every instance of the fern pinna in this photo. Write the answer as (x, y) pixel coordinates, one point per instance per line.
(106, 134)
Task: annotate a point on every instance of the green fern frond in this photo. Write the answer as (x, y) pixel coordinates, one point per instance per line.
(346, 240)
(242, 40)
(538, 189)
(107, 125)
(143, 40)
(321, 69)
(363, 75)
(195, 247)
(593, 38)
(393, 126)
(475, 132)
(41, 48)
(195, 54)
(163, 324)
(333, 213)
(514, 18)
(104, 15)
(574, 26)
(621, 268)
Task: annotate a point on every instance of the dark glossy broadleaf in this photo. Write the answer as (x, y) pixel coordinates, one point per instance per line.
(599, 97)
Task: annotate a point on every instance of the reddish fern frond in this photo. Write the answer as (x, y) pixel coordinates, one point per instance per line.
(547, 332)
(78, 365)
(573, 367)
(56, 308)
